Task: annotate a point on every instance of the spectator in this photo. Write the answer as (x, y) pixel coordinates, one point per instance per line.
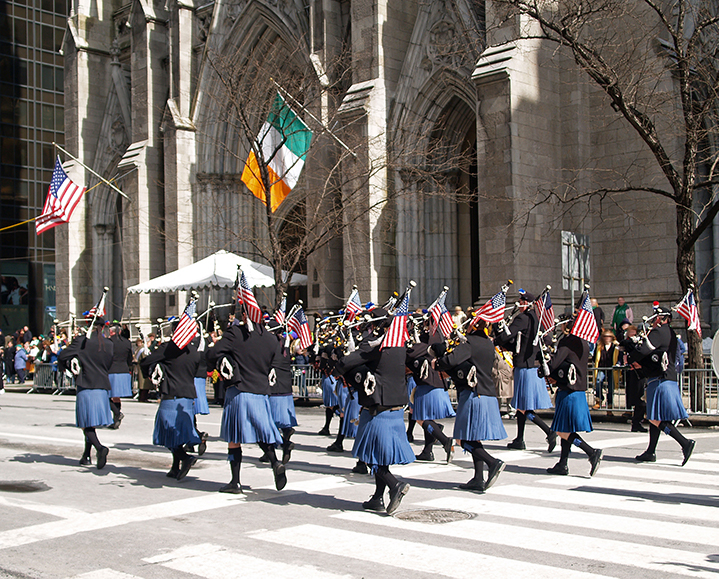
(622, 331)
(621, 312)
(458, 317)
(635, 385)
(606, 356)
(9, 358)
(20, 364)
(26, 334)
(598, 314)
(681, 351)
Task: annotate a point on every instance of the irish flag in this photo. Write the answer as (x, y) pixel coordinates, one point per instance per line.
(284, 140)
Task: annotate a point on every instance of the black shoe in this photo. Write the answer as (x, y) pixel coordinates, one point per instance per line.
(287, 452)
(280, 476)
(494, 471)
(551, 441)
(687, 450)
(185, 466)
(85, 460)
(449, 449)
(102, 457)
(646, 456)
(264, 458)
(396, 495)
(426, 455)
(473, 485)
(638, 427)
(360, 468)
(335, 447)
(116, 422)
(172, 473)
(204, 435)
(594, 460)
(517, 445)
(232, 488)
(201, 448)
(374, 504)
(559, 468)
(324, 432)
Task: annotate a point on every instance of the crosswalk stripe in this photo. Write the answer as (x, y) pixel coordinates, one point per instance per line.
(695, 464)
(660, 559)
(75, 441)
(700, 535)
(54, 510)
(628, 501)
(314, 485)
(618, 484)
(410, 555)
(214, 562)
(662, 475)
(105, 574)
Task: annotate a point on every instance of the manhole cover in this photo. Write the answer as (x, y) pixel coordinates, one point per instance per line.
(23, 486)
(434, 516)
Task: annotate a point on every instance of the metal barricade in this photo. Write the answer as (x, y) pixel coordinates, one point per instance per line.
(306, 380)
(699, 390)
(46, 379)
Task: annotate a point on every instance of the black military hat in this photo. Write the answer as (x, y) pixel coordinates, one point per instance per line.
(526, 296)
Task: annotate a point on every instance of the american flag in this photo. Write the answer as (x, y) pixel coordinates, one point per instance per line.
(441, 318)
(298, 323)
(397, 333)
(246, 297)
(687, 309)
(545, 312)
(354, 305)
(585, 324)
(62, 198)
(280, 313)
(187, 329)
(491, 312)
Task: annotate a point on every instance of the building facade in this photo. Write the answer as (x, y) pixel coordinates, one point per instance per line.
(457, 128)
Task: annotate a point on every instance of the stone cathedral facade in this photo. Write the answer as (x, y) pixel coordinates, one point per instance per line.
(411, 81)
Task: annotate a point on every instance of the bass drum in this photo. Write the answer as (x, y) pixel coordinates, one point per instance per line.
(715, 354)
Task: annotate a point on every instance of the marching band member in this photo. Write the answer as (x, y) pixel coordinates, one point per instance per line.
(329, 396)
(282, 403)
(654, 357)
(530, 392)
(120, 377)
(568, 370)
(478, 418)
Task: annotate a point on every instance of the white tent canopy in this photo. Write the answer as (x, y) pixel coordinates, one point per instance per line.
(216, 270)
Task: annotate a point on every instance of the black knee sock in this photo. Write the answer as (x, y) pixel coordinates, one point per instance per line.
(410, 425)
(576, 440)
(88, 448)
(387, 477)
(340, 439)
(176, 458)
(566, 448)
(539, 422)
(521, 420)
(115, 409)
(269, 450)
(673, 431)
(329, 412)
(91, 435)
(478, 451)
(235, 456)
(428, 439)
(286, 434)
(638, 415)
(434, 429)
(478, 462)
(653, 438)
(339, 429)
(379, 486)
(119, 405)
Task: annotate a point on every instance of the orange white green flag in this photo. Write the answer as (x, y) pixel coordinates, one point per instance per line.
(284, 140)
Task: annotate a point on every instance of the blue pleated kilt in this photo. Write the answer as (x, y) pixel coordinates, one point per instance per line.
(174, 425)
(283, 410)
(329, 398)
(572, 412)
(344, 394)
(664, 401)
(431, 403)
(530, 391)
(352, 410)
(382, 440)
(92, 408)
(411, 385)
(247, 418)
(478, 418)
(120, 385)
(201, 405)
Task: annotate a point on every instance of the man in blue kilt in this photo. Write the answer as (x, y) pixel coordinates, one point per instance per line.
(173, 370)
(654, 359)
(89, 359)
(478, 417)
(244, 356)
(381, 439)
(568, 371)
(120, 377)
(530, 392)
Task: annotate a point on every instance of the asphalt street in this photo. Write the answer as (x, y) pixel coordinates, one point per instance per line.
(128, 521)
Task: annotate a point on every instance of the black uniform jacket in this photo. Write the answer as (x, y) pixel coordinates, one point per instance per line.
(282, 364)
(179, 367)
(656, 354)
(202, 366)
(479, 351)
(388, 368)
(95, 355)
(252, 352)
(571, 351)
(524, 328)
(122, 355)
(419, 363)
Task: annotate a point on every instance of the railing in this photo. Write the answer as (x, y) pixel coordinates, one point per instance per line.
(45, 379)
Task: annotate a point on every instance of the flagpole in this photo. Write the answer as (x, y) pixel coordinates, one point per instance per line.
(314, 118)
(93, 172)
